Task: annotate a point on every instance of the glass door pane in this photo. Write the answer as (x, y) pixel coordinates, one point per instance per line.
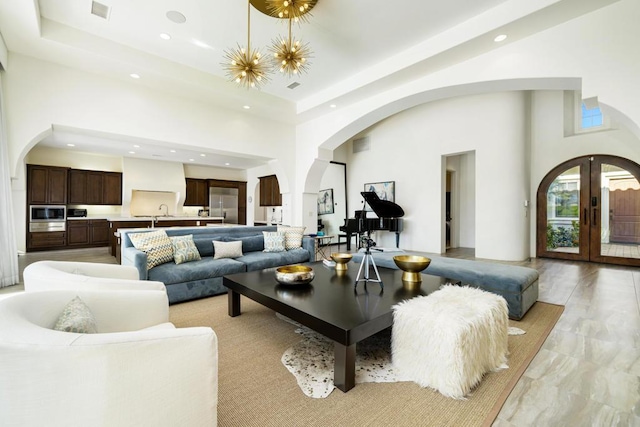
(563, 212)
(620, 212)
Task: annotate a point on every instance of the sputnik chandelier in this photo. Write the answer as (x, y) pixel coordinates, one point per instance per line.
(290, 55)
(249, 68)
(246, 67)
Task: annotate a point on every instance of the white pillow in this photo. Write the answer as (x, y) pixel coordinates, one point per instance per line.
(227, 249)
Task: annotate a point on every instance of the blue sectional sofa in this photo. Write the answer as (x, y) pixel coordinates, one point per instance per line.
(518, 285)
(203, 278)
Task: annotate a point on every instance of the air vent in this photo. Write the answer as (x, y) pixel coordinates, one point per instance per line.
(100, 10)
(361, 144)
(293, 85)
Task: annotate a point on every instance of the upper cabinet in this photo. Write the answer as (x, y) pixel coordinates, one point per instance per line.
(197, 192)
(94, 187)
(270, 191)
(47, 185)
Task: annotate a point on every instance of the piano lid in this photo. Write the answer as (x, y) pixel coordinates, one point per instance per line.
(382, 208)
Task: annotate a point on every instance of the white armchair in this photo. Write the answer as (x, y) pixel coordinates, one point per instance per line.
(138, 370)
(64, 275)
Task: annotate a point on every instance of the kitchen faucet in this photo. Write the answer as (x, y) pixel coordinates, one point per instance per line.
(160, 208)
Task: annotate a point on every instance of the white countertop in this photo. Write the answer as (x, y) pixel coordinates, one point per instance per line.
(164, 218)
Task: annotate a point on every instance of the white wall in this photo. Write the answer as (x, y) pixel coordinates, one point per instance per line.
(334, 178)
(408, 148)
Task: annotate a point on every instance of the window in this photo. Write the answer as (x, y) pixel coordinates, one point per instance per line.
(591, 117)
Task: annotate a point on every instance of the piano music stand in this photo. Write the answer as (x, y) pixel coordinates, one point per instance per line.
(381, 208)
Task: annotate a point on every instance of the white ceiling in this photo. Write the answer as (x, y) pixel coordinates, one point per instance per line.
(360, 47)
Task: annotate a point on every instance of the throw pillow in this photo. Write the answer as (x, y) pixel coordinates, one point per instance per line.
(184, 249)
(227, 249)
(273, 241)
(156, 244)
(292, 236)
(76, 317)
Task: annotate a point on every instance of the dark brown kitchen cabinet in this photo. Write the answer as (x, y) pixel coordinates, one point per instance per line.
(87, 233)
(77, 232)
(270, 191)
(112, 188)
(46, 185)
(197, 192)
(95, 187)
(46, 240)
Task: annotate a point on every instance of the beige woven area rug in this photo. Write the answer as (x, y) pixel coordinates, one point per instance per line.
(255, 388)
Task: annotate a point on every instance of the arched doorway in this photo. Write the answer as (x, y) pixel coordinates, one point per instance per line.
(589, 210)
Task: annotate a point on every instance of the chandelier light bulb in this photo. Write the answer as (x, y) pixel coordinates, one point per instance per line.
(286, 3)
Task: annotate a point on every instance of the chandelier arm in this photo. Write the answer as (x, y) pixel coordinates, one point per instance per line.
(249, 27)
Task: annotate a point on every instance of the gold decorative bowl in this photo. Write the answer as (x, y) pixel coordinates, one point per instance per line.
(293, 275)
(411, 265)
(341, 260)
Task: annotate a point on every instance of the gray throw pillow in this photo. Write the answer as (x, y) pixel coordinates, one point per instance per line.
(76, 317)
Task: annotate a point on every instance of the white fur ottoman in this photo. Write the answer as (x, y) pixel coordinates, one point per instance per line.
(448, 340)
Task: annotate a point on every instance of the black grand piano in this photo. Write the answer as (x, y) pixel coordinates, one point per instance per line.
(389, 219)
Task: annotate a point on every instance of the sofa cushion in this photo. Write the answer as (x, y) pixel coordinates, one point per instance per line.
(249, 243)
(76, 317)
(206, 268)
(292, 236)
(273, 241)
(204, 246)
(156, 244)
(260, 260)
(184, 249)
(227, 249)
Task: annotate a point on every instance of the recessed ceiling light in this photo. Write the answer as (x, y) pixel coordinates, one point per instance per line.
(132, 152)
(177, 17)
(134, 76)
(71, 145)
(136, 146)
(191, 160)
(203, 155)
(500, 38)
(227, 164)
(246, 107)
(165, 36)
(172, 151)
(333, 105)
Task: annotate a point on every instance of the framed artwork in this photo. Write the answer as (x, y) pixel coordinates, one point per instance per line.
(325, 202)
(385, 190)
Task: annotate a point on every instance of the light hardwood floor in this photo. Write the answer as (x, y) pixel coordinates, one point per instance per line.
(588, 371)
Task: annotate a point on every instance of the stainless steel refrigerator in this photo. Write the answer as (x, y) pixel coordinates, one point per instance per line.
(223, 202)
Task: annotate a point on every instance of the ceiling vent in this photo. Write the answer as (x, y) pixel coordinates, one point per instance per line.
(293, 85)
(100, 10)
(361, 144)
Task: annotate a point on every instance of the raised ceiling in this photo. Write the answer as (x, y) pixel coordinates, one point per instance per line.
(360, 47)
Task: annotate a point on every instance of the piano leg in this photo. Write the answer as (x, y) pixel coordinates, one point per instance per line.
(397, 239)
(348, 242)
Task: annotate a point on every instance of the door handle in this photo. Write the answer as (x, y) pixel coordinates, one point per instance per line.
(595, 216)
(585, 216)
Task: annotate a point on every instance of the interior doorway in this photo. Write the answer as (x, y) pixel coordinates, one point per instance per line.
(589, 210)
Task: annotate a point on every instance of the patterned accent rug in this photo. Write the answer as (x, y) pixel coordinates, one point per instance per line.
(311, 360)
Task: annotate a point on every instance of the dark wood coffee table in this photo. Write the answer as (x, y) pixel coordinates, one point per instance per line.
(331, 305)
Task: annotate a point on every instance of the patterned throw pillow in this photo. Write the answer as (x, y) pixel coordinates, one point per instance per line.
(227, 249)
(76, 317)
(292, 236)
(184, 249)
(157, 246)
(273, 241)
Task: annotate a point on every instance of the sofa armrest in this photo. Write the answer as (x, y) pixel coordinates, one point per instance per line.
(136, 258)
(309, 243)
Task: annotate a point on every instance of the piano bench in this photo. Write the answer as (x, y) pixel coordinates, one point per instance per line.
(518, 285)
(341, 241)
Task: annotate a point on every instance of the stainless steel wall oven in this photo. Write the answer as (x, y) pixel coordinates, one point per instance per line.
(47, 218)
